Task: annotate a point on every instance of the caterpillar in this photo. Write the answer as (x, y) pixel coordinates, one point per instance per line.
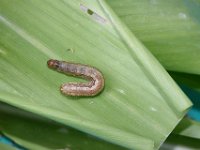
(92, 74)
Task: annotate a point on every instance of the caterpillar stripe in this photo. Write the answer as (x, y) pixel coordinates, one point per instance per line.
(93, 75)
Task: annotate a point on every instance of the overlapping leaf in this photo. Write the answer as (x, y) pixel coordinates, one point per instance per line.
(138, 94)
(169, 29)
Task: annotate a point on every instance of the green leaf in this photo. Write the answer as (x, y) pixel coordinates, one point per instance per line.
(140, 104)
(188, 127)
(6, 147)
(181, 142)
(169, 29)
(23, 127)
(33, 132)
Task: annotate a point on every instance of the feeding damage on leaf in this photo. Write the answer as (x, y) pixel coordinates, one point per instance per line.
(93, 14)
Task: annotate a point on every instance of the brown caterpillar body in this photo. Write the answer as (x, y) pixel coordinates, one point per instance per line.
(91, 88)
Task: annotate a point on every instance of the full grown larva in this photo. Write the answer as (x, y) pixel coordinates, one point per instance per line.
(91, 88)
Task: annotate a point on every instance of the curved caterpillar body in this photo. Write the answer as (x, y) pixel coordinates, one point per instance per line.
(91, 88)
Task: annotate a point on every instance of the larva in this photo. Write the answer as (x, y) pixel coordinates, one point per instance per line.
(91, 88)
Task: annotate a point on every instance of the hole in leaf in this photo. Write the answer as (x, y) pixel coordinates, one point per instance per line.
(93, 14)
(90, 12)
